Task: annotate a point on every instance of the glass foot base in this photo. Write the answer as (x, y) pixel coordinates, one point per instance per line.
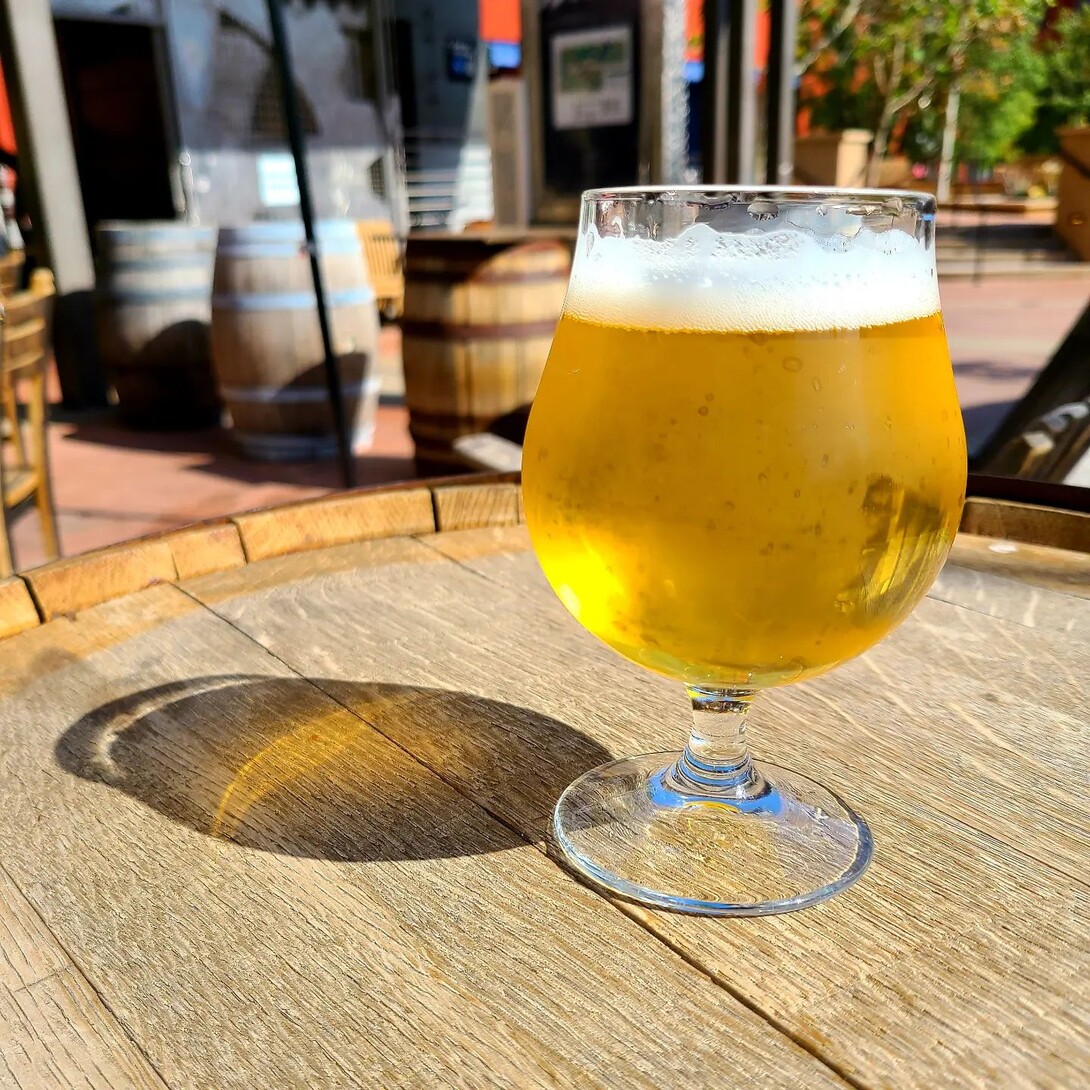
(639, 829)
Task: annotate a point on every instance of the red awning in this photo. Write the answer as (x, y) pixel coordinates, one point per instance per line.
(7, 129)
(501, 20)
(694, 34)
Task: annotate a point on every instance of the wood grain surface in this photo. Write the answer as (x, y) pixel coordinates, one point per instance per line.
(271, 893)
(287, 823)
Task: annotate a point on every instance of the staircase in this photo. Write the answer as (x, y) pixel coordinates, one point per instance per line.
(448, 181)
(1005, 248)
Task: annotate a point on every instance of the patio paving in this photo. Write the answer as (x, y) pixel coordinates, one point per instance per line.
(113, 484)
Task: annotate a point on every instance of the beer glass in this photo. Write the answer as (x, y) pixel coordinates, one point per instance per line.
(745, 464)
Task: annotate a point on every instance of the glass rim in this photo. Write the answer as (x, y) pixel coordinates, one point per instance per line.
(920, 198)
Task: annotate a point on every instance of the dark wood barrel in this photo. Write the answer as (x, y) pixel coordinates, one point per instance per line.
(152, 309)
(478, 321)
(267, 345)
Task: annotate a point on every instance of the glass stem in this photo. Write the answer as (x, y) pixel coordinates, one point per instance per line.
(716, 760)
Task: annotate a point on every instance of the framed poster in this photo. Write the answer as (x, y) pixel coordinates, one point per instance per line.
(593, 78)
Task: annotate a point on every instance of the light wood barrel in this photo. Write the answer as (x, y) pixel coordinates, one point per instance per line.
(478, 322)
(152, 306)
(267, 345)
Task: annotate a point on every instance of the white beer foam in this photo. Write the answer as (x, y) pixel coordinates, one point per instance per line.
(756, 282)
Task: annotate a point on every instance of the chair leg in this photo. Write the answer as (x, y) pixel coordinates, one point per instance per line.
(43, 493)
(6, 566)
(11, 414)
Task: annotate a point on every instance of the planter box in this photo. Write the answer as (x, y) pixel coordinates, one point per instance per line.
(1073, 211)
(832, 158)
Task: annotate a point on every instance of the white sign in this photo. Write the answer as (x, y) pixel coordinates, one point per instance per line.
(592, 78)
(276, 184)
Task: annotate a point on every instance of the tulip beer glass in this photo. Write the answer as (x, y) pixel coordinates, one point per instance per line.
(745, 464)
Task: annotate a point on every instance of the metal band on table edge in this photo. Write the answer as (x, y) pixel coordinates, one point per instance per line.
(289, 300)
(269, 395)
(455, 331)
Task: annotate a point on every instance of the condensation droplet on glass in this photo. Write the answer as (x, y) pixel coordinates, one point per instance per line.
(816, 385)
(762, 478)
(766, 549)
(703, 410)
(792, 363)
(798, 492)
(711, 525)
(889, 423)
(709, 398)
(824, 460)
(728, 505)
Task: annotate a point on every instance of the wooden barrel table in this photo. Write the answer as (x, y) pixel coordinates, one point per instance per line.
(276, 813)
(267, 345)
(479, 316)
(152, 310)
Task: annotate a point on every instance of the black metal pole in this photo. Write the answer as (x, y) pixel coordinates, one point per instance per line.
(298, 150)
(741, 93)
(780, 149)
(713, 106)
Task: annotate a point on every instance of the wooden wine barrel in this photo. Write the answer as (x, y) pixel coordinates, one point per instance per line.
(478, 321)
(152, 310)
(267, 345)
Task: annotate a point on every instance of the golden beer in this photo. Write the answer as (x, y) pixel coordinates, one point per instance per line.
(743, 508)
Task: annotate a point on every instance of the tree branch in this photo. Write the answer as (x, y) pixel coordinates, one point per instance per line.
(847, 17)
(912, 93)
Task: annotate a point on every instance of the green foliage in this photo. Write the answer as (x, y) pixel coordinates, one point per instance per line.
(1065, 97)
(1069, 67)
(896, 61)
(1000, 101)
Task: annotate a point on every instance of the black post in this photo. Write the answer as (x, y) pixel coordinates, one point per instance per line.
(741, 93)
(713, 107)
(298, 151)
(780, 150)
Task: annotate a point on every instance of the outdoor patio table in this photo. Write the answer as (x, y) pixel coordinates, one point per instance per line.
(275, 808)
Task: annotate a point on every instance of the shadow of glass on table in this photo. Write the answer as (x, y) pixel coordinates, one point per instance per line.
(275, 764)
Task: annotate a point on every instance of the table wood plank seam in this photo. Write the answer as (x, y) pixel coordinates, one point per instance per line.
(934, 811)
(694, 964)
(74, 967)
(937, 595)
(646, 920)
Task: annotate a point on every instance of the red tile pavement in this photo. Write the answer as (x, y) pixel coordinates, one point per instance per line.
(1001, 332)
(113, 484)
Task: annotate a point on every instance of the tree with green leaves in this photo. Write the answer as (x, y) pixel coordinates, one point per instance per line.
(914, 53)
(1066, 98)
(999, 102)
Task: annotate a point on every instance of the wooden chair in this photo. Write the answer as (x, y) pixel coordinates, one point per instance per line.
(11, 271)
(1053, 447)
(382, 251)
(24, 457)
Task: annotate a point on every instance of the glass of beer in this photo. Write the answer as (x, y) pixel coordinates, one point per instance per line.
(745, 465)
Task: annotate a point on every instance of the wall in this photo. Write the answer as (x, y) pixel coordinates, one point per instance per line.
(447, 154)
(226, 113)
